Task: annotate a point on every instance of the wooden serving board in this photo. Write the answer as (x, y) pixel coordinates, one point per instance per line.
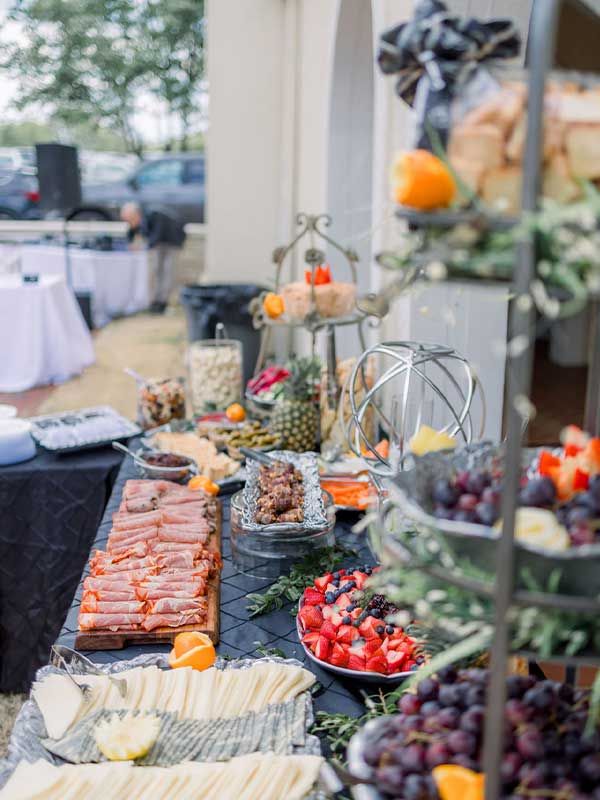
(117, 640)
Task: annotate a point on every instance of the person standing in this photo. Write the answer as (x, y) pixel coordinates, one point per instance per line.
(164, 235)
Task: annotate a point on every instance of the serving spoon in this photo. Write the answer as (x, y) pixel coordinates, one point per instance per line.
(65, 658)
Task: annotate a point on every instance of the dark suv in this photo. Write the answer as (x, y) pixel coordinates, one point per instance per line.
(173, 182)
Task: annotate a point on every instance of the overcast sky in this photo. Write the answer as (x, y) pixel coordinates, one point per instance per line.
(152, 120)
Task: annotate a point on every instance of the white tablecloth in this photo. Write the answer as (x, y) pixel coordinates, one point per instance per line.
(44, 338)
(118, 281)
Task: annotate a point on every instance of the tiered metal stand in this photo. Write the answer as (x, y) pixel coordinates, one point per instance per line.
(542, 39)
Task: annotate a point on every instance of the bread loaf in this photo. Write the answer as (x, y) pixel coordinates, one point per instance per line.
(502, 189)
(582, 143)
(482, 144)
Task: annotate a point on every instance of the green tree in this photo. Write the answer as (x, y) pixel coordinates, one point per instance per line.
(86, 61)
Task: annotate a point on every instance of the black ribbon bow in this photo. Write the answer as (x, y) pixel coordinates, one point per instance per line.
(441, 50)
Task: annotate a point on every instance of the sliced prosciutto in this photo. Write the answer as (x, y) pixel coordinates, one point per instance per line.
(113, 622)
(178, 590)
(153, 621)
(91, 604)
(176, 605)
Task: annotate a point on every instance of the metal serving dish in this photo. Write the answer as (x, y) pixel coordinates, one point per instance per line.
(355, 675)
(178, 474)
(357, 766)
(85, 429)
(315, 517)
(411, 493)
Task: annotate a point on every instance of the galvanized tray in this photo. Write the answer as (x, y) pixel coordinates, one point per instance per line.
(411, 493)
(315, 518)
(69, 425)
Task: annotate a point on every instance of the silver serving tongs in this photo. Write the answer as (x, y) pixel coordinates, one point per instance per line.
(256, 455)
(67, 659)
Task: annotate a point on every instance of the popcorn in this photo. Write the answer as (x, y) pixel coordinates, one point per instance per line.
(215, 375)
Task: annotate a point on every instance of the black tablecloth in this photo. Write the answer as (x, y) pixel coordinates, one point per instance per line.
(50, 508)
(241, 635)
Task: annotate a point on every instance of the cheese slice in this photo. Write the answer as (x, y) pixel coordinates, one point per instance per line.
(60, 702)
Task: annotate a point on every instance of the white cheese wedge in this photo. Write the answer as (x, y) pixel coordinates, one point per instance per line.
(60, 702)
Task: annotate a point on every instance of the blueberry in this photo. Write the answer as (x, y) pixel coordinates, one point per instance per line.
(350, 607)
(380, 629)
(337, 575)
(376, 612)
(329, 597)
(368, 571)
(346, 620)
(389, 629)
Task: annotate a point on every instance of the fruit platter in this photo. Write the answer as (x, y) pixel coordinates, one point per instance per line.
(432, 747)
(345, 631)
(457, 496)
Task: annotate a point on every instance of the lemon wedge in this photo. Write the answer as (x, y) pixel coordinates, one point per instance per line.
(128, 737)
(428, 440)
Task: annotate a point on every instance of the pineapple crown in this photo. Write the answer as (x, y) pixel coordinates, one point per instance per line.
(303, 380)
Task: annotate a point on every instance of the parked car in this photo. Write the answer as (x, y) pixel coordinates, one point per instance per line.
(19, 195)
(173, 182)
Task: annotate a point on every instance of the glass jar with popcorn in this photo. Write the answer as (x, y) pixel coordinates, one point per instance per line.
(215, 367)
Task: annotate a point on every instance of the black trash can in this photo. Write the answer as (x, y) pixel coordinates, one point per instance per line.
(207, 304)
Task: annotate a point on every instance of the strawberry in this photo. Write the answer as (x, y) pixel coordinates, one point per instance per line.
(310, 617)
(313, 597)
(355, 614)
(329, 612)
(394, 661)
(323, 648)
(385, 646)
(347, 634)
(377, 664)
(343, 601)
(408, 665)
(336, 619)
(321, 583)
(367, 628)
(328, 630)
(360, 578)
(581, 480)
(310, 639)
(547, 460)
(339, 657)
(373, 648)
(356, 662)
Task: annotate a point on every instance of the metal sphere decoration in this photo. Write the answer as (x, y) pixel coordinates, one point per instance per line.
(415, 384)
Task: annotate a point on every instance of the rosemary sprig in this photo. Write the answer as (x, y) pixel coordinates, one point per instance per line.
(290, 587)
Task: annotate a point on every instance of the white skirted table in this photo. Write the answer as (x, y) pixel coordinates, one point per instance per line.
(44, 336)
(117, 280)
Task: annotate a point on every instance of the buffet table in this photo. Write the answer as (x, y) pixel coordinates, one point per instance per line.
(240, 635)
(50, 508)
(117, 280)
(44, 336)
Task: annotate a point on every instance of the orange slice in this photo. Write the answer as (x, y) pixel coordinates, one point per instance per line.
(203, 482)
(459, 783)
(193, 649)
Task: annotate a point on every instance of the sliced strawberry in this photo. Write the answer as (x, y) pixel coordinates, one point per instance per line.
(343, 600)
(313, 597)
(328, 630)
(356, 662)
(546, 461)
(329, 612)
(367, 628)
(355, 614)
(377, 664)
(373, 648)
(573, 437)
(360, 578)
(385, 646)
(336, 619)
(310, 617)
(331, 587)
(310, 639)
(571, 450)
(395, 661)
(581, 480)
(323, 648)
(408, 665)
(592, 452)
(347, 634)
(339, 657)
(321, 583)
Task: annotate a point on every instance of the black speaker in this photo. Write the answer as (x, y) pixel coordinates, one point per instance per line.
(58, 177)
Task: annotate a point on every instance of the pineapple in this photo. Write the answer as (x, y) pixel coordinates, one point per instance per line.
(296, 416)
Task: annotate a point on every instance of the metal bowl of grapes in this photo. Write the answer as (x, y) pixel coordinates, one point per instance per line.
(457, 496)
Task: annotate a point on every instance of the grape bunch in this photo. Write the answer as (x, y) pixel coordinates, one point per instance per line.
(442, 723)
(580, 513)
(469, 497)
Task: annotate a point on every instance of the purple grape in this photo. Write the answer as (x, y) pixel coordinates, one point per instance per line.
(462, 481)
(416, 788)
(517, 685)
(477, 482)
(509, 769)
(464, 761)
(390, 779)
(486, 513)
(449, 718)
(491, 495)
(530, 745)
(539, 492)
(412, 723)
(427, 689)
(445, 493)
(594, 490)
(448, 674)
(409, 703)
(462, 743)
(373, 752)
(475, 696)
(413, 758)
(430, 708)
(532, 776)
(517, 712)
(468, 502)
(472, 720)
(450, 695)
(437, 753)
(541, 697)
(581, 534)
(464, 516)
(577, 515)
(589, 768)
